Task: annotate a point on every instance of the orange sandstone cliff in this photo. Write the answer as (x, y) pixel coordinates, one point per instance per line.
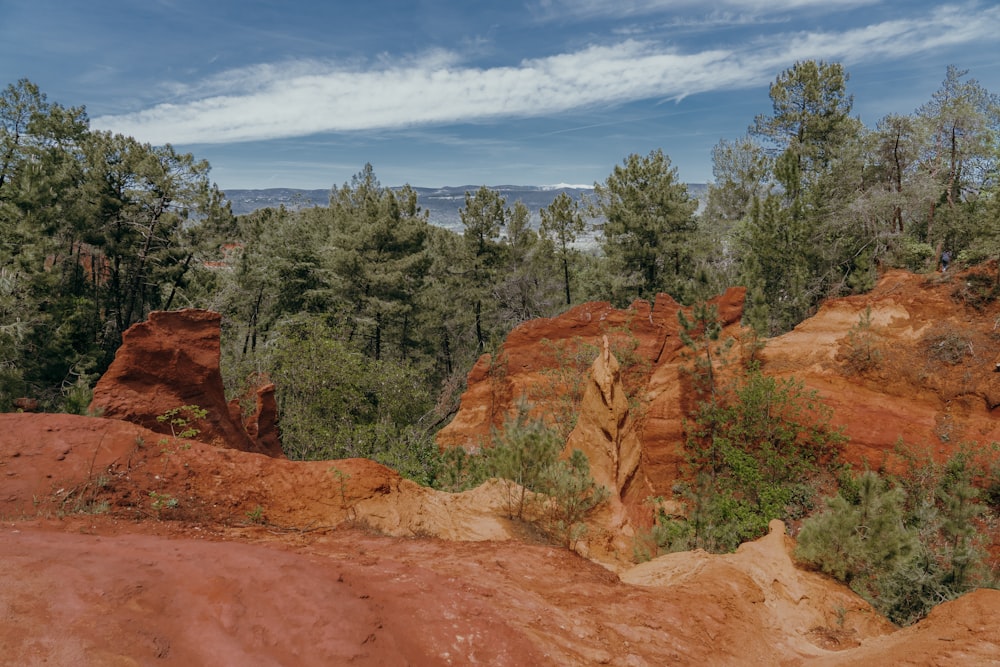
(118, 549)
(172, 360)
(930, 387)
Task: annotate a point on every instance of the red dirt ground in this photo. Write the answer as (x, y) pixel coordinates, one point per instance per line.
(123, 546)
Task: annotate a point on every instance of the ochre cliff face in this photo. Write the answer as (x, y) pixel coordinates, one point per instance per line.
(930, 384)
(634, 452)
(172, 360)
(166, 543)
(921, 373)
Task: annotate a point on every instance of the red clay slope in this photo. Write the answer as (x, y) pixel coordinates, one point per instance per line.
(120, 545)
(932, 388)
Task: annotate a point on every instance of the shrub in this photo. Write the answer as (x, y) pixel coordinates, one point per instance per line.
(859, 541)
(573, 494)
(554, 494)
(976, 289)
(904, 545)
(947, 346)
(912, 255)
(522, 455)
(864, 350)
(459, 470)
(757, 449)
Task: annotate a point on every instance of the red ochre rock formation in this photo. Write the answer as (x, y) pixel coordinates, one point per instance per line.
(172, 360)
(650, 335)
(101, 571)
(931, 389)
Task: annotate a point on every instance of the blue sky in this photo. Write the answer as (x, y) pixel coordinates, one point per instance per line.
(434, 93)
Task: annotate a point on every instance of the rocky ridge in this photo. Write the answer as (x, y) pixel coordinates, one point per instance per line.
(126, 544)
(932, 387)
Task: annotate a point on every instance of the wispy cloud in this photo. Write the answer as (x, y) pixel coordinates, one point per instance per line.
(591, 9)
(691, 24)
(300, 98)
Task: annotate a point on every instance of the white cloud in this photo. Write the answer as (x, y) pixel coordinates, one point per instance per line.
(590, 9)
(946, 26)
(302, 98)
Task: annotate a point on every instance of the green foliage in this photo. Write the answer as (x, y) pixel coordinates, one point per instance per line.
(810, 111)
(774, 265)
(562, 390)
(912, 255)
(756, 455)
(484, 217)
(182, 420)
(334, 402)
(526, 286)
(378, 259)
(700, 335)
(864, 351)
(757, 449)
(161, 501)
(649, 222)
(97, 230)
(905, 545)
(859, 542)
(573, 495)
(522, 456)
(459, 470)
(562, 223)
(553, 493)
(92, 237)
(341, 478)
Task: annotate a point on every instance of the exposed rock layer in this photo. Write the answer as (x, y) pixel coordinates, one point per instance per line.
(170, 361)
(931, 386)
(211, 581)
(123, 545)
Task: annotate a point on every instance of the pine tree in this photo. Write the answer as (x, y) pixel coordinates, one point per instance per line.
(648, 228)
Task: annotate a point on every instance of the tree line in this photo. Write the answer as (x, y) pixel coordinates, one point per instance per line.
(370, 316)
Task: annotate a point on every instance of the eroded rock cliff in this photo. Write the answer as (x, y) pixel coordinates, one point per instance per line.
(925, 378)
(127, 545)
(172, 360)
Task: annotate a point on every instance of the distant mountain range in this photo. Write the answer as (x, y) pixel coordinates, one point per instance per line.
(442, 204)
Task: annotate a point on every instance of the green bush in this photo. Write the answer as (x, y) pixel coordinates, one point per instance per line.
(522, 456)
(459, 470)
(912, 255)
(904, 545)
(335, 402)
(758, 452)
(859, 541)
(554, 494)
(864, 350)
(757, 448)
(573, 494)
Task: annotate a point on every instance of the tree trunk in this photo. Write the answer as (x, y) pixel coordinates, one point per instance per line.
(480, 342)
(566, 279)
(953, 169)
(173, 289)
(897, 211)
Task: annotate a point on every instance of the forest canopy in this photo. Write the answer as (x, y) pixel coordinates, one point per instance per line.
(98, 229)
(368, 316)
